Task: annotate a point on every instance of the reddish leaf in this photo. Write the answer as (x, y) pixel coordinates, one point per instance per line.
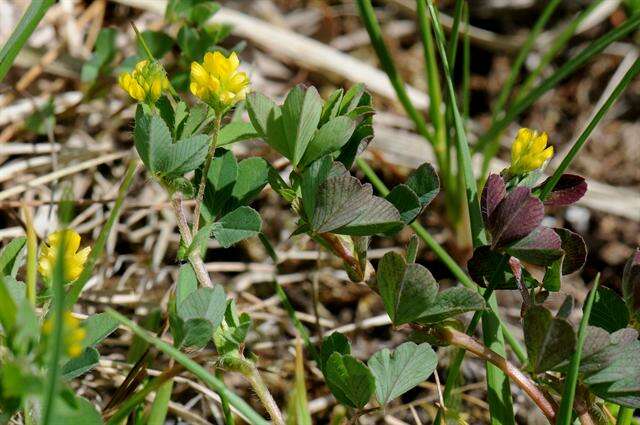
(541, 247)
(517, 215)
(494, 191)
(575, 250)
(569, 189)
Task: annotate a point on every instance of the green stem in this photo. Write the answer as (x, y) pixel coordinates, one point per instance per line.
(54, 349)
(569, 393)
(375, 34)
(214, 383)
(205, 171)
(21, 33)
(257, 383)
(98, 248)
(582, 139)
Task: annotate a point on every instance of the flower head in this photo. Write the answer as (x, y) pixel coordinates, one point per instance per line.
(73, 259)
(146, 82)
(73, 333)
(218, 82)
(529, 151)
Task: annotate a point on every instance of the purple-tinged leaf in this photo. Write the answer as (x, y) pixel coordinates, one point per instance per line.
(631, 283)
(541, 247)
(494, 191)
(575, 250)
(569, 189)
(517, 215)
(488, 268)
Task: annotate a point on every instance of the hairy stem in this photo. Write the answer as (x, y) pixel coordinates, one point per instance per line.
(205, 171)
(257, 383)
(462, 340)
(185, 232)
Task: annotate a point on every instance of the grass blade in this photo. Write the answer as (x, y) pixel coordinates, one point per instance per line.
(462, 145)
(565, 70)
(160, 405)
(595, 120)
(452, 46)
(375, 34)
(214, 383)
(499, 392)
(21, 33)
(568, 394)
(98, 248)
(556, 46)
(507, 87)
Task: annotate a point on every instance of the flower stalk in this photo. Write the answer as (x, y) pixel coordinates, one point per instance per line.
(205, 171)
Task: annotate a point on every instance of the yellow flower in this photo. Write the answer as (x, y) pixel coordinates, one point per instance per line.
(529, 151)
(146, 82)
(218, 82)
(73, 333)
(73, 259)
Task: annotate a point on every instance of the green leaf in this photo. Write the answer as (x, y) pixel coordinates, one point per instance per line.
(253, 175)
(406, 202)
(240, 224)
(221, 179)
(194, 121)
(549, 340)
(231, 334)
(349, 380)
(316, 173)
(398, 372)
(406, 290)
(82, 412)
(609, 311)
(187, 283)
(236, 131)
(159, 43)
(425, 183)
(266, 118)
(195, 333)
(103, 53)
(552, 280)
(82, 364)
(7, 306)
(10, 255)
(334, 343)
(331, 107)
(345, 206)
(452, 302)
(329, 138)
(184, 156)
(300, 116)
(204, 303)
(97, 328)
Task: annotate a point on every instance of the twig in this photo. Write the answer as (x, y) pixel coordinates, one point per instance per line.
(459, 339)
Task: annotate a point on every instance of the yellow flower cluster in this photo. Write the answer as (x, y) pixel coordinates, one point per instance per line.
(72, 331)
(529, 151)
(218, 82)
(146, 82)
(73, 260)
